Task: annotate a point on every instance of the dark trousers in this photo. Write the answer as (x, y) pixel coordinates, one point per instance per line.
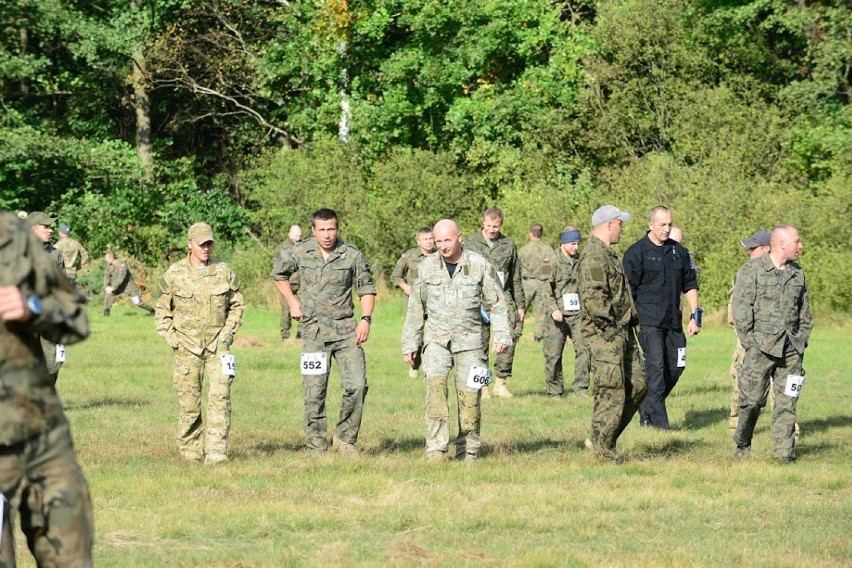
(661, 357)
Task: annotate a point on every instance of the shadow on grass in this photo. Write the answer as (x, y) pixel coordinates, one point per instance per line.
(700, 388)
(696, 419)
(666, 449)
(528, 447)
(394, 445)
(109, 401)
(823, 424)
(269, 449)
(805, 449)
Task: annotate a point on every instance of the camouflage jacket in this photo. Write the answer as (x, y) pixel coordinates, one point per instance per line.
(606, 307)
(537, 260)
(198, 308)
(405, 269)
(562, 281)
(328, 313)
(28, 403)
(771, 307)
(285, 246)
(118, 276)
(503, 256)
(73, 255)
(445, 310)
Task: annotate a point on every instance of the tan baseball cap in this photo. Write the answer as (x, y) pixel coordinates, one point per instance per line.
(40, 218)
(201, 233)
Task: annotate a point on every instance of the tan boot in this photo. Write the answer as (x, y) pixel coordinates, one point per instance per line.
(485, 393)
(500, 390)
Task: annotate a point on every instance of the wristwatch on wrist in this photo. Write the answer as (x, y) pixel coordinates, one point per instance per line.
(696, 315)
(34, 305)
(368, 319)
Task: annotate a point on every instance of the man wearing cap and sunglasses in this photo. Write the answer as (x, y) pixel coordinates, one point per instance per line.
(198, 313)
(609, 330)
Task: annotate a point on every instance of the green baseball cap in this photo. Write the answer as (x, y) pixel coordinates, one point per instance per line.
(40, 218)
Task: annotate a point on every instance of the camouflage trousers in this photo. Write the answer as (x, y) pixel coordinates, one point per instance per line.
(353, 380)
(286, 322)
(42, 479)
(555, 338)
(535, 291)
(189, 372)
(755, 381)
(620, 386)
(503, 362)
(49, 349)
(736, 365)
(437, 363)
(135, 299)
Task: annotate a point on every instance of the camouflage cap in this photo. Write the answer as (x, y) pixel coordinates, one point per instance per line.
(200, 233)
(40, 218)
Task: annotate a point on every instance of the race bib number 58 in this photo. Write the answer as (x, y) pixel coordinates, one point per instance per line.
(477, 378)
(314, 363)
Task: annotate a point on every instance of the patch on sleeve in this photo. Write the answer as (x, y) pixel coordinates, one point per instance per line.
(597, 273)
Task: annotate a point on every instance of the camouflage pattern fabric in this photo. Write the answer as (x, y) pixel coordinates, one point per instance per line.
(405, 269)
(74, 256)
(198, 313)
(772, 316)
(609, 329)
(119, 277)
(537, 266)
(286, 323)
(563, 281)
(47, 346)
(328, 325)
(443, 317)
(503, 256)
(39, 473)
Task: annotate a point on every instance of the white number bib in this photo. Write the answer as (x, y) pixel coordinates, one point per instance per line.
(314, 363)
(502, 276)
(477, 378)
(60, 353)
(794, 385)
(229, 364)
(571, 302)
(681, 357)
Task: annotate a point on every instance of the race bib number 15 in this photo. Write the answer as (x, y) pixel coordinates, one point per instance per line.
(229, 364)
(477, 378)
(794, 385)
(314, 363)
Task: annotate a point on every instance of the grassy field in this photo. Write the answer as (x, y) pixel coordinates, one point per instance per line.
(536, 497)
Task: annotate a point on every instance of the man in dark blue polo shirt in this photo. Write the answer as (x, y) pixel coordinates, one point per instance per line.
(660, 270)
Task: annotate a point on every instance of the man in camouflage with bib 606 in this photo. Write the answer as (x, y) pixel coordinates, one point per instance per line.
(501, 252)
(330, 269)
(443, 318)
(563, 311)
(772, 316)
(537, 266)
(39, 473)
(609, 330)
(405, 273)
(198, 313)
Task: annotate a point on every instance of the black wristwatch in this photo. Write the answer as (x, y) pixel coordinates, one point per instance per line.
(368, 319)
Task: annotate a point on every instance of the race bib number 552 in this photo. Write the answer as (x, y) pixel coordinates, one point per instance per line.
(314, 363)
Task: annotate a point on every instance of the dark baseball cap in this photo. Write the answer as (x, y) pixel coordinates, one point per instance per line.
(758, 239)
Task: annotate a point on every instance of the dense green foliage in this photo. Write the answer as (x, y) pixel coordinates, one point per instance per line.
(133, 119)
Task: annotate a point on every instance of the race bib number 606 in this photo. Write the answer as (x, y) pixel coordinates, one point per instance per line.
(314, 363)
(478, 378)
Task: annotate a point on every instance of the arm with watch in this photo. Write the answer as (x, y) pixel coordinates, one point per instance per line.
(694, 326)
(362, 330)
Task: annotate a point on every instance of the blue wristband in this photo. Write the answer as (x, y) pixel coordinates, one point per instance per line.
(696, 315)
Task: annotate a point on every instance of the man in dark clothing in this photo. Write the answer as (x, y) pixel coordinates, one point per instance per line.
(659, 271)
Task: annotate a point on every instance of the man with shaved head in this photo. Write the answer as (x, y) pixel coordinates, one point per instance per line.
(443, 318)
(772, 316)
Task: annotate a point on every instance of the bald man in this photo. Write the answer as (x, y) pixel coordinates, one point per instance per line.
(772, 316)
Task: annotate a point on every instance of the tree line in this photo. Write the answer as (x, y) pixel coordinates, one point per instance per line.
(133, 119)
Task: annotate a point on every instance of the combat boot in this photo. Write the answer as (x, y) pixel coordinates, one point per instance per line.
(500, 390)
(485, 393)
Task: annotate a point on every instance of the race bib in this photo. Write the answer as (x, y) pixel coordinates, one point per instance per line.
(794, 385)
(60, 353)
(571, 302)
(136, 300)
(314, 363)
(502, 276)
(229, 364)
(681, 357)
(477, 378)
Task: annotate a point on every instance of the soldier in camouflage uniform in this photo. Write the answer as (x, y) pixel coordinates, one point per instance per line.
(294, 237)
(500, 251)
(405, 273)
(330, 269)
(42, 227)
(609, 329)
(74, 255)
(39, 473)
(444, 319)
(563, 311)
(537, 261)
(198, 312)
(117, 281)
(772, 316)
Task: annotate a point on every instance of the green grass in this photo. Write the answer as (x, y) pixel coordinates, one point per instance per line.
(536, 497)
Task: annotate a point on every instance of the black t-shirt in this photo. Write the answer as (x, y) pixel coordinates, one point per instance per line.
(451, 267)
